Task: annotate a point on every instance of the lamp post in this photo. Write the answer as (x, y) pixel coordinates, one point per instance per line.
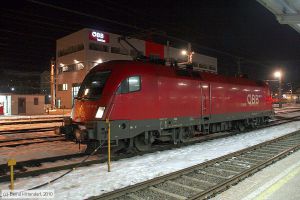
(189, 53)
(52, 83)
(278, 75)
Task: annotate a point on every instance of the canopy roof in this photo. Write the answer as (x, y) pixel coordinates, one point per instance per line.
(286, 11)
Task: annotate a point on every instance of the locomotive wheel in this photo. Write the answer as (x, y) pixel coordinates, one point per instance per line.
(241, 126)
(141, 143)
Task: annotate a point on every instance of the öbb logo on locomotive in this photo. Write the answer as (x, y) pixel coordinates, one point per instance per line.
(253, 99)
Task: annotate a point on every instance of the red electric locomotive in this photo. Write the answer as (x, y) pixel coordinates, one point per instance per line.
(148, 102)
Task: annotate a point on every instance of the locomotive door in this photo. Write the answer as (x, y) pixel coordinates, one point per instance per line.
(205, 100)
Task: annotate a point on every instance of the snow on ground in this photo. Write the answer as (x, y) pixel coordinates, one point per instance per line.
(95, 180)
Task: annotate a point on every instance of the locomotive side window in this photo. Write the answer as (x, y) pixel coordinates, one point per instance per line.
(130, 84)
(134, 83)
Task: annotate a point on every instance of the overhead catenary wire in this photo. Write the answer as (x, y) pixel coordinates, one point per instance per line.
(84, 14)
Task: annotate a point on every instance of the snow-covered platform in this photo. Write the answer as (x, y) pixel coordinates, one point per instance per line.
(280, 180)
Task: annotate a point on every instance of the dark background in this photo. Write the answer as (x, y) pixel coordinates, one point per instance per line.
(226, 29)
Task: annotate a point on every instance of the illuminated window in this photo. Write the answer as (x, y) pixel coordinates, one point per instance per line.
(65, 86)
(62, 87)
(75, 89)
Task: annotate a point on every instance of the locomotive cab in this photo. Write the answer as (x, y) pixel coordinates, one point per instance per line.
(103, 94)
(89, 105)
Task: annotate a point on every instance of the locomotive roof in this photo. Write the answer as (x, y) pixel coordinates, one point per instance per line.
(204, 76)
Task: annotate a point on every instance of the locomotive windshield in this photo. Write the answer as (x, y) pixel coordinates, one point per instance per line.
(93, 85)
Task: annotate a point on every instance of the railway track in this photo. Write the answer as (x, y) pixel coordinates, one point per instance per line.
(30, 121)
(23, 168)
(205, 180)
(288, 111)
(29, 141)
(27, 130)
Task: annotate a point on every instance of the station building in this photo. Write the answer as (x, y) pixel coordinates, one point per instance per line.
(79, 52)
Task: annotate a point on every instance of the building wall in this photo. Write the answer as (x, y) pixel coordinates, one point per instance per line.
(31, 109)
(85, 57)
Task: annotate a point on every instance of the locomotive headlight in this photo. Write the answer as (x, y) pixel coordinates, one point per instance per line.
(72, 113)
(100, 112)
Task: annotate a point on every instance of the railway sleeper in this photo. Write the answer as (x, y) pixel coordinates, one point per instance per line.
(212, 170)
(231, 167)
(178, 188)
(193, 182)
(206, 177)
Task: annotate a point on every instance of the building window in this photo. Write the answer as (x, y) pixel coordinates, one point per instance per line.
(62, 87)
(118, 50)
(65, 86)
(75, 89)
(71, 67)
(70, 50)
(98, 47)
(36, 101)
(115, 50)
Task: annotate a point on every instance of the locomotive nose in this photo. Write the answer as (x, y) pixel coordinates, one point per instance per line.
(84, 111)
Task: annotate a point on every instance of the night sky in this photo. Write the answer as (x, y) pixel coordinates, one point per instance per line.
(226, 29)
